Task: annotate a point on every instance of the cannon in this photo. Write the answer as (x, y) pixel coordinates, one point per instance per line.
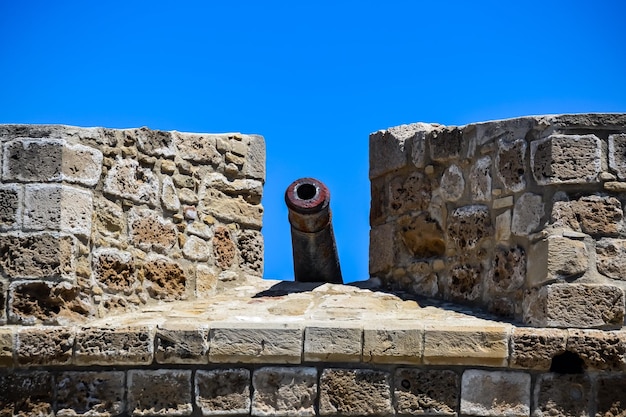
(315, 257)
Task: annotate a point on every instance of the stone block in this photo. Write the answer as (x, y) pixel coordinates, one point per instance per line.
(281, 391)
(480, 179)
(250, 244)
(599, 215)
(393, 345)
(164, 278)
(468, 225)
(223, 391)
(417, 144)
(40, 255)
(109, 219)
(445, 144)
(149, 231)
(45, 346)
(97, 394)
(556, 258)
(611, 258)
(32, 160)
(561, 395)
(206, 281)
(115, 270)
(58, 207)
(182, 343)
(511, 164)
(169, 195)
(426, 392)
(11, 201)
(508, 270)
(154, 142)
(254, 165)
(452, 183)
(495, 393)
(196, 249)
(527, 214)
(381, 249)
(407, 193)
(599, 350)
(26, 394)
(250, 189)
(463, 282)
(229, 209)
(114, 346)
(333, 344)
(164, 392)
(574, 305)
(199, 148)
(127, 179)
(355, 392)
(466, 345)
(503, 226)
(617, 154)
(81, 164)
(533, 348)
(258, 343)
(566, 159)
(224, 250)
(387, 149)
(611, 396)
(7, 346)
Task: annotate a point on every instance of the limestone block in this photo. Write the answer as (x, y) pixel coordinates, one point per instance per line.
(445, 144)
(426, 391)
(32, 160)
(333, 344)
(617, 154)
(149, 231)
(355, 392)
(503, 202)
(11, 201)
(556, 257)
(196, 249)
(480, 179)
(527, 214)
(452, 183)
(169, 196)
(127, 179)
(154, 142)
(387, 149)
(7, 346)
(599, 350)
(254, 165)
(200, 148)
(26, 394)
(250, 246)
(561, 395)
(393, 345)
(503, 226)
(421, 236)
(164, 392)
(223, 391)
(464, 282)
(611, 258)
(381, 249)
(468, 225)
(114, 346)
(611, 396)
(40, 255)
(182, 343)
(533, 348)
(250, 189)
(564, 215)
(115, 270)
(45, 346)
(255, 343)
(230, 209)
(464, 345)
(97, 394)
(511, 164)
(281, 391)
(600, 215)
(206, 281)
(566, 159)
(495, 393)
(184, 181)
(574, 305)
(508, 271)
(164, 278)
(81, 164)
(109, 219)
(409, 193)
(58, 207)
(224, 250)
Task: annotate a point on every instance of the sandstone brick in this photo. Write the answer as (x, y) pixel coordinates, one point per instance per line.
(254, 165)
(115, 270)
(109, 219)
(599, 215)
(206, 281)
(407, 193)
(566, 159)
(611, 258)
(44, 346)
(508, 270)
(224, 249)
(354, 392)
(250, 245)
(417, 144)
(11, 201)
(281, 391)
(182, 343)
(149, 231)
(155, 142)
(575, 305)
(603, 350)
(533, 348)
(445, 144)
(196, 249)
(452, 183)
(527, 214)
(393, 345)
(40, 255)
(164, 392)
(81, 164)
(250, 189)
(126, 179)
(511, 164)
(26, 394)
(495, 393)
(255, 344)
(421, 236)
(198, 148)
(381, 249)
(556, 258)
(114, 346)
(611, 396)
(169, 196)
(229, 209)
(617, 154)
(58, 207)
(463, 282)
(164, 278)
(463, 345)
(480, 179)
(503, 202)
(426, 392)
(561, 395)
(468, 225)
(333, 344)
(503, 226)
(223, 391)
(32, 160)
(387, 149)
(7, 346)
(97, 394)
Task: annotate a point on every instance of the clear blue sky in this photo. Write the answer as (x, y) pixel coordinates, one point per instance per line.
(314, 78)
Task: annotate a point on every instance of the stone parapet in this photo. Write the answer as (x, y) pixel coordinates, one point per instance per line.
(521, 217)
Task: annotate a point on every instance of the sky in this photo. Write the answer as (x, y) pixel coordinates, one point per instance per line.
(315, 78)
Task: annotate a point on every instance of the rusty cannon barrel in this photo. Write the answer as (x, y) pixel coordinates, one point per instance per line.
(315, 257)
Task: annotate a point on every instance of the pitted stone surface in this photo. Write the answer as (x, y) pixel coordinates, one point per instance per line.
(566, 159)
(561, 395)
(41, 255)
(11, 197)
(610, 397)
(282, 391)
(182, 342)
(223, 391)
(98, 394)
(127, 179)
(114, 346)
(480, 179)
(32, 160)
(426, 392)
(452, 183)
(164, 278)
(41, 346)
(26, 394)
(468, 225)
(510, 163)
(604, 350)
(611, 258)
(353, 392)
(165, 392)
(148, 230)
(495, 393)
(534, 348)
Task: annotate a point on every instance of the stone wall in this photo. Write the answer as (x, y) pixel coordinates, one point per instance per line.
(523, 217)
(98, 220)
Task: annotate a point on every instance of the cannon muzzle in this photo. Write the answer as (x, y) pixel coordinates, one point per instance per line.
(315, 256)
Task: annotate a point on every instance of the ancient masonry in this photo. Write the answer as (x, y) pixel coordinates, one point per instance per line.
(131, 264)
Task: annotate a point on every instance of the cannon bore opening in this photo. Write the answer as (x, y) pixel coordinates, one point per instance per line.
(306, 191)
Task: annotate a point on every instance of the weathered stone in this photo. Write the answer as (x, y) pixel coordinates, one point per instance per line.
(508, 270)
(511, 164)
(460, 345)
(115, 270)
(81, 164)
(333, 344)
(527, 214)
(445, 144)
(354, 392)
(109, 218)
(599, 215)
(206, 281)
(575, 305)
(251, 190)
(114, 346)
(611, 258)
(421, 236)
(169, 196)
(26, 394)
(155, 142)
(57, 207)
(417, 144)
(7, 346)
(198, 148)
(615, 186)
(229, 209)
(254, 166)
(11, 198)
(423, 277)
(164, 392)
(611, 396)
(381, 249)
(281, 391)
(223, 391)
(33, 160)
(250, 245)
(503, 226)
(503, 202)
(408, 193)
(495, 393)
(97, 394)
(426, 392)
(41, 255)
(224, 249)
(533, 348)
(617, 154)
(393, 345)
(468, 225)
(556, 258)
(164, 278)
(39, 346)
(196, 249)
(128, 180)
(464, 282)
(566, 159)
(480, 179)
(452, 183)
(261, 343)
(149, 231)
(599, 350)
(182, 343)
(387, 149)
(561, 396)
(564, 215)
(184, 181)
